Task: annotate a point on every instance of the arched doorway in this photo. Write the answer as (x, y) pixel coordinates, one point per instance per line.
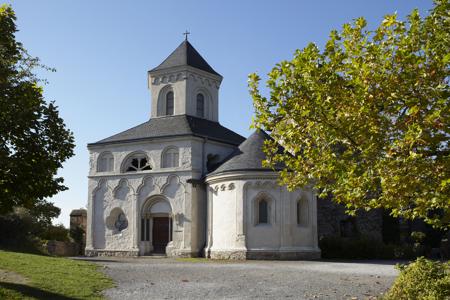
(156, 225)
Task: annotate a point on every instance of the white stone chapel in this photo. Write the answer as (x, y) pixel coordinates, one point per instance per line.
(183, 185)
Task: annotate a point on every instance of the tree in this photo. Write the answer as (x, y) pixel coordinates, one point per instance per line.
(34, 141)
(367, 118)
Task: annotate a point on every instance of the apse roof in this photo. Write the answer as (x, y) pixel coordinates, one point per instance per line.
(248, 156)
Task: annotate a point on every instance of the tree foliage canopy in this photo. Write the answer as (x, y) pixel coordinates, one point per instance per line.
(34, 140)
(367, 118)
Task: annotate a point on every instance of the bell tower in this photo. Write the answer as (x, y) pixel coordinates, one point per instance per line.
(185, 84)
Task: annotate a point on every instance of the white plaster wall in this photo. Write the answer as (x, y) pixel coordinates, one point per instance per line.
(198, 83)
(263, 236)
(300, 235)
(186, 83)
(202, 148)
(283, 232)
(131, 191)
(232, 223)
(152, 149)
(198, 213)
(110, 194)
(224, 230)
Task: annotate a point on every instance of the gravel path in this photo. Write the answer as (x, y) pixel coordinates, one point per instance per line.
(163, 278)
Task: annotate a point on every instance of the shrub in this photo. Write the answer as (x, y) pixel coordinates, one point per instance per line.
(422, 279)
(77, 234)
(17, 234)
(363, 247)
(56, 232)
(23, 231)
(350, 248)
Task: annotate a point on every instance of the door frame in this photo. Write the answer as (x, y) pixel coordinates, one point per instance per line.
(145, 232)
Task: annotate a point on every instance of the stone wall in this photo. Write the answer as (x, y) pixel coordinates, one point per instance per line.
(78, 223)
(333, 221)
(78, 218)
(62, 248)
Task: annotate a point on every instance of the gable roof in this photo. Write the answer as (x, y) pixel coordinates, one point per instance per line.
(172, 126)
(248, 156)
(185, 55)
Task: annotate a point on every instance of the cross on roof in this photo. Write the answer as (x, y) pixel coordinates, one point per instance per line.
(186, 35)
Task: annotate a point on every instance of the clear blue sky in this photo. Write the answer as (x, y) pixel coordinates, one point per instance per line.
(102, 51)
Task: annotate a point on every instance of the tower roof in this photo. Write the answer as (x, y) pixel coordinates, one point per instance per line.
(185, 55)
(248, 156)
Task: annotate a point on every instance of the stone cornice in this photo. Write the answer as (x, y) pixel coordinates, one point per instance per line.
(175, 74)
(145, 173)
(243, 175)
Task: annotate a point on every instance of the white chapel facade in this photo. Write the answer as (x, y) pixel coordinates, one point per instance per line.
(181, 184)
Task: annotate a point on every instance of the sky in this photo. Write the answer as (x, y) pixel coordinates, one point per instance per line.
(102, 51)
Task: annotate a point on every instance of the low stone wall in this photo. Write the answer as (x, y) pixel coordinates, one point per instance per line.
(264, 255)
(171, 252)
(225, 255)
(121, 253)
(331, 215)
(62, 248)
(283, 255)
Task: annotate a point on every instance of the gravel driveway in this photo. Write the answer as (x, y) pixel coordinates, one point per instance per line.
(163, 278)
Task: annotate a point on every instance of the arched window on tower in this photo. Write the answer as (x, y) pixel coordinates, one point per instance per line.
(200, 105)
(169, 103)
(170, 158)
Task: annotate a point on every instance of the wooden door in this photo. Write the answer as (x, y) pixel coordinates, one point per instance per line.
(161, 234)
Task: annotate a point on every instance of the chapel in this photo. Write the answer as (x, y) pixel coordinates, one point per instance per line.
(183, 185)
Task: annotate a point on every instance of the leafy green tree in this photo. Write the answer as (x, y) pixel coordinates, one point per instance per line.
(34, 140)
(366, 119)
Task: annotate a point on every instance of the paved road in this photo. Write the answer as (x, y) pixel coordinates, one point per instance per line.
(163, 278)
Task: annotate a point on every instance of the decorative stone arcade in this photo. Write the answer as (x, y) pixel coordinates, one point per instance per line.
(156, 225)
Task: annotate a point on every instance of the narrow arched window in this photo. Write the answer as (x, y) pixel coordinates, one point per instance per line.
(302, 212)
(263, 212)
(170, 158)
(136, 163)
(169, 104)
(105, 162)
(200, 105)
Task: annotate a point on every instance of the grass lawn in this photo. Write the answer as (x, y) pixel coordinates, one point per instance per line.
(30, 276)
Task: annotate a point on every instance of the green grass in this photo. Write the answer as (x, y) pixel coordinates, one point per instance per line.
(51, 278)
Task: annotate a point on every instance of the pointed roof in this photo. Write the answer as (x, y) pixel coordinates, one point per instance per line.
(175, 126)
(185, 55)
(248, 156)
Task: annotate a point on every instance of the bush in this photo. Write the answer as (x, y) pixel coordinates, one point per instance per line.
(56, 233)
(17, 234)
(363, 247)
(422, 279)
(25, 232)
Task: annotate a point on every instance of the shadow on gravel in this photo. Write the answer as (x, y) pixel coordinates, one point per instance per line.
(30, 291)
(96, 259)
(368, 262)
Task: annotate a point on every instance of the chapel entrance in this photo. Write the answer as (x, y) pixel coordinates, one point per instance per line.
(161, 233)
(156, 225)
